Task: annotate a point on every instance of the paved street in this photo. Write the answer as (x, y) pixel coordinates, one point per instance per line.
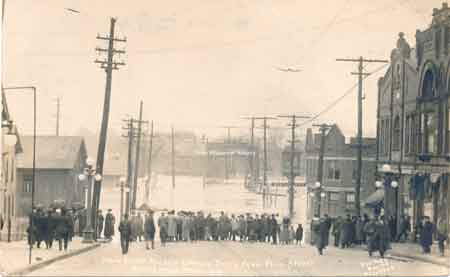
(232, 258)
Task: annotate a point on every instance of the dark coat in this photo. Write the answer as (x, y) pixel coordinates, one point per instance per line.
(381, 237)
(426, 235)
(63, 226)
(299, 233)
(346, 231)
(149, 228)
(110, 220)
(125, 229)
(321, 230)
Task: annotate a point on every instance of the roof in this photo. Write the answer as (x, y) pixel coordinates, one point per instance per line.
(52, 152)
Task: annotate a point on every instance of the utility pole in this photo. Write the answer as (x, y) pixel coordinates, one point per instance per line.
(138, 150)
(292, 173)
(149, 168)
(130, 128)
(58, 103)
(360, 75)
(265, 185)
(108, 65)
(228, 144)
(323, 128)
(252, 151)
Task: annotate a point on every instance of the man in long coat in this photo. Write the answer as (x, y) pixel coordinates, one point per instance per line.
(321, 229)
(172, 228)
(125, 234)
(149, 229)
(110, 220)
(346, 232)
(163, 226)
(382, 237)
(426, 235)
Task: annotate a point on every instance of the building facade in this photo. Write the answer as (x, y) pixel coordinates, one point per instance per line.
(339, 172)
(59, 162)
(413, 127)
(10, 147)
(397, 119)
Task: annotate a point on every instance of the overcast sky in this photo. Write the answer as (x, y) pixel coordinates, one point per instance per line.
(201, 64)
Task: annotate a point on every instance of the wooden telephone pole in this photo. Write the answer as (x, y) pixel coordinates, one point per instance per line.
(149, 165)
(251, 159)
(265, 186)
(323, 128)
(292, 173)
(138, 151)
(108, 65)
(228, 144)
(360, 146)
(130, 135)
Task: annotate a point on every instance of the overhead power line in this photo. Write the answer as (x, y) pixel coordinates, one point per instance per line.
(338, 100)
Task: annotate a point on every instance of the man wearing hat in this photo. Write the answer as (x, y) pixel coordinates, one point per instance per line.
(125, 233)
(110, 220)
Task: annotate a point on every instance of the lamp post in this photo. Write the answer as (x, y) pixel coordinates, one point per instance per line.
(10, 140)
(33, 89)
(388, 180)
(318, 190)
(89, 172)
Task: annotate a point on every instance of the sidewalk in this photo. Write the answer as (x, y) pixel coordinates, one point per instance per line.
(14, 255)
(414, 251)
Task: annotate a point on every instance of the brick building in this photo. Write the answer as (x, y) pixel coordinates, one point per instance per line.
(339, 172)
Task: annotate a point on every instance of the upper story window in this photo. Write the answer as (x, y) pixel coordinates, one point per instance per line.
(334, 172)
(429, 132)
(27, 184)
(428, 86)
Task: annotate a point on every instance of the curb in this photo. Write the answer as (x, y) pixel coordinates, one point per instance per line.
(31, 268)
(420, 258)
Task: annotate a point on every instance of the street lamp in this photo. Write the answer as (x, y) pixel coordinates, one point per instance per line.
(89, 172)
(317, 187)
(10, 140)
(33, 89)
(389, 180)
(122, 182)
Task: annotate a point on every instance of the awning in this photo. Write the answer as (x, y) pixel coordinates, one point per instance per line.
(375, 198)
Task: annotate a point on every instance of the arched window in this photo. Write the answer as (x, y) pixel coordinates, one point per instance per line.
(427, 87)
(396, 134)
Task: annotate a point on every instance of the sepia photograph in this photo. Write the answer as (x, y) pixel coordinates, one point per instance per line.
(225, 138)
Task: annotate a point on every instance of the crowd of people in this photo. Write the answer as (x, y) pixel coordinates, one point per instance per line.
(376, 233)
(191, 226)
(62, 224)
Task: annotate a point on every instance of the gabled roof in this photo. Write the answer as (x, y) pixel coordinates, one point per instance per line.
(52, 152)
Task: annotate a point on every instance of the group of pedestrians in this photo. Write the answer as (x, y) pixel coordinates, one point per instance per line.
(191, 226)
(62, 224)
(376, 233)
(188, 226)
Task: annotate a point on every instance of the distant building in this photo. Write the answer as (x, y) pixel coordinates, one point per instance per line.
(339, 172)
(59, 162)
